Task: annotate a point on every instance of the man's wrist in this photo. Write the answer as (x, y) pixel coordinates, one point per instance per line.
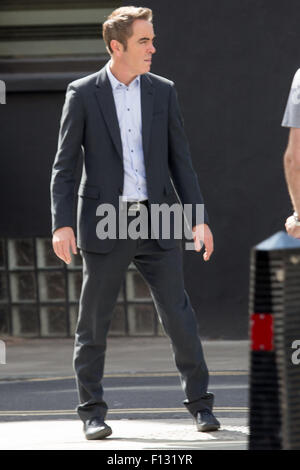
(296, 218)
(198, 225)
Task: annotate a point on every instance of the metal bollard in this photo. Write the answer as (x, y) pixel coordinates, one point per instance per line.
(274, 305)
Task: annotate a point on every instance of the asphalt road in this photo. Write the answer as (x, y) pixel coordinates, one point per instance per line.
(129, 396)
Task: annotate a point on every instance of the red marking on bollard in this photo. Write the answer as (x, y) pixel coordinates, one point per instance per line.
(262, 332)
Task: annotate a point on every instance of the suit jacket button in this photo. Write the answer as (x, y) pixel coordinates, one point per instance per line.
(120, 190)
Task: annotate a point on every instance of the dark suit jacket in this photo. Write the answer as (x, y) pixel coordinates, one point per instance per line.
(89, 125)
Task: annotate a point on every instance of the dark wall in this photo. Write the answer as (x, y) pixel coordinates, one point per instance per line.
(29, 127)
(232, 63)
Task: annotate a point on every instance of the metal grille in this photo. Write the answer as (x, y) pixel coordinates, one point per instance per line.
(265, 298)
(287, 330)
(275, 378)
(62, 31)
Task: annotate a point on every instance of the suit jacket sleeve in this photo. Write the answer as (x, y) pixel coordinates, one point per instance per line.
(65, 163)
(180, 163)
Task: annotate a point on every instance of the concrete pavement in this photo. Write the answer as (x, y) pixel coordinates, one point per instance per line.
(53, 357)
(127, 435)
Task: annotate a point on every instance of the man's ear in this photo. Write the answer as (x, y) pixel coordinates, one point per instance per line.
(116, 47)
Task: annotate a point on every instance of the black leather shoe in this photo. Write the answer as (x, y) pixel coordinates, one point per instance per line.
(206, 421)
(96, 428)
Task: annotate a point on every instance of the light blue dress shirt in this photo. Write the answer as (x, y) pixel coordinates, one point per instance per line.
(128, 107)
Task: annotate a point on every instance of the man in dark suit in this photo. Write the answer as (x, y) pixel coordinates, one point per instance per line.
(128, 125)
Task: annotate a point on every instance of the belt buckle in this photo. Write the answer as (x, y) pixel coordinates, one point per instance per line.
(135, 207)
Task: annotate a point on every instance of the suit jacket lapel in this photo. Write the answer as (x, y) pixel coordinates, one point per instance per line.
(147, 98)
(106, 102)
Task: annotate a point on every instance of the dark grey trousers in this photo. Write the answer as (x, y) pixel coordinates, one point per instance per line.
(102, 278)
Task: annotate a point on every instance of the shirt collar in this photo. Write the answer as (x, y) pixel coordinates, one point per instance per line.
(115, 83)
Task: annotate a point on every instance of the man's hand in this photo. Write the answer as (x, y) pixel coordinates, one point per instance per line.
(202, 233)
(292, 229)
(62, 239)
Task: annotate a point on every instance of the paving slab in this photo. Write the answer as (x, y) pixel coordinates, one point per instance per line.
(127, 435)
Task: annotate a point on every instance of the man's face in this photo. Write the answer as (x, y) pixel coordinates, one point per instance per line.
(137, 57)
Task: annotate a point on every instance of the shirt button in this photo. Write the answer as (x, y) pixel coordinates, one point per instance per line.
(129, 130)
(128, 109)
